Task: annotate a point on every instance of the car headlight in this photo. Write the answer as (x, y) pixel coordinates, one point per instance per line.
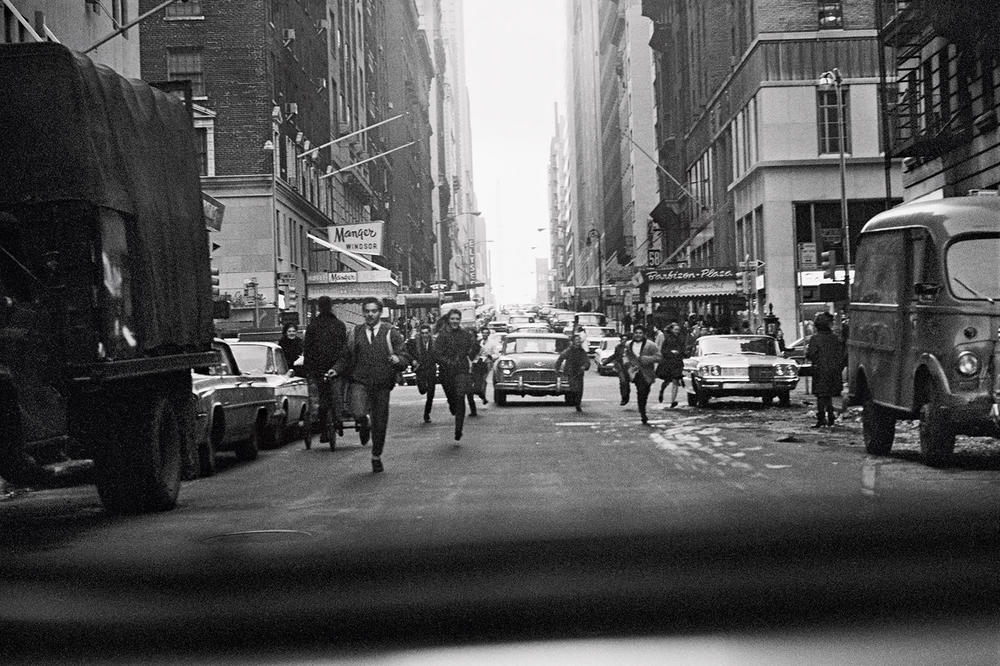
(710, 370)
(968, 364)
(506, 366)
(785, 370)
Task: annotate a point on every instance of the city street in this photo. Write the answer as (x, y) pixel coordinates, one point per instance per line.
(543, 519)
(532, 469)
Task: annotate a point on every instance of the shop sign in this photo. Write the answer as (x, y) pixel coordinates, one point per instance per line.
(361, 238)
(692, 288)
(690, 274)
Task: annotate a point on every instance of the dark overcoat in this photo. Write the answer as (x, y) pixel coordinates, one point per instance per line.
(826, 353)
(574, 362)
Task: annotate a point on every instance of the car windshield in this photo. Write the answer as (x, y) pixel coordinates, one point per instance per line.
(535, 345)
(752, 345)
(253, 359)
(972, 268)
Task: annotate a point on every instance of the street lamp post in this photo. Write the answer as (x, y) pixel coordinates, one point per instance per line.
(831, 80)
(592, 234)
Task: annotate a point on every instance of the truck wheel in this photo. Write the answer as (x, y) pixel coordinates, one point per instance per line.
(248, 449)
(878, 427)
(141, 469)
(937, 437)
(500, 397)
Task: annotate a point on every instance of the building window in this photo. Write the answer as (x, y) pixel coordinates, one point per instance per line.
(831, 14)
(187, 8)
(829, 121)
(185, 64)
(201, 144)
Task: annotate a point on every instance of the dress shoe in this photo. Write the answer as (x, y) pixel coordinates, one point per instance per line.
(579, 408)
(645, 419)
(340, 428)
(427, 418)
(377, 466)
(473, 413)
(673, 405)
(623, 402)
(458, 434)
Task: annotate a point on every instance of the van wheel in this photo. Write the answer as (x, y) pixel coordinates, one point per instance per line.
(878, 428)
(248, 450)
(937, 437)
(206, 458)
(141, 469)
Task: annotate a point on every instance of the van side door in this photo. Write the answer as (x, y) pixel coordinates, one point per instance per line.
(877, 320)
(922, 313)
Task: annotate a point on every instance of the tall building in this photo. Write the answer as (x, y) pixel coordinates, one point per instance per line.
(751, 143)
(560, 253)
(78, 25)
(287, 99)
(612, 141)
(944, 118)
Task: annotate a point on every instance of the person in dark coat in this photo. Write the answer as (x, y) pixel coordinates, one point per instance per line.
(454, 349)
(671, 368)
(290, 343)
(826, 353)
(324, 345)
(421, 352)
(616, 359)
(574, 362)
(375, 352)
(640, 357)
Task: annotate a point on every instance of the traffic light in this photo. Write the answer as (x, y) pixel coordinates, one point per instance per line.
(828, 260)
(291, 298)
(215, 284)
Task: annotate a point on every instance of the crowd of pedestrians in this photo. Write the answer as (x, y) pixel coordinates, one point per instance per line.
(355, 371)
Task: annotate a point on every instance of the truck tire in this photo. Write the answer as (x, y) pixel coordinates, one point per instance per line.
(140, 470)
(878, 427)
(248, 449)
(937, 436)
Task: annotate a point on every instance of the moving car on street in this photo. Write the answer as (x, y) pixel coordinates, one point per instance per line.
(606, 349)
(233, 410)
(527, 366)
(597, 333)
(739, 365)
(291, 393)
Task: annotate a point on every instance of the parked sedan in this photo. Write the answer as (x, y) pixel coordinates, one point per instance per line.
(291, 393)
(605, 350)
(233, 410)
(527, 366)
(739, 365)
(797, 352)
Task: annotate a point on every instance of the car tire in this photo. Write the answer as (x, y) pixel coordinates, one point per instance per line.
(767, 399)
(568, 399)
(248, 450)
(784, 399)
(140, 470)
(277, 434)
(878, 426)
(937, 436)
(206, 458)
(500, 397)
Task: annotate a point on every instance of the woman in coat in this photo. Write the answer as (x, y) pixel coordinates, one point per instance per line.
(826, 353)
(291, 344)
(671, 368)
(574, 362)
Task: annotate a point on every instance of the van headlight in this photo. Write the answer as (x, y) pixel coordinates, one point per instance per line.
(968, 364)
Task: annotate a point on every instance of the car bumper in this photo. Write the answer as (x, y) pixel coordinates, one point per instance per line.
(518, 385)
(737, 388)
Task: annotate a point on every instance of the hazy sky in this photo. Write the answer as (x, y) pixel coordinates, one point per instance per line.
(515, 55)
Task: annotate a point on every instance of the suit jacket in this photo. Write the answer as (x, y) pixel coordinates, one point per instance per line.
(644, 364)
(454, 351)
(369, 363)
(423, 356)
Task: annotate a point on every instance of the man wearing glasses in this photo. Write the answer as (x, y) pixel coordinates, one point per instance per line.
(374, 355)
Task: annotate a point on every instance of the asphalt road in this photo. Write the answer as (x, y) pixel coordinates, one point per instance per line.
(589, 520)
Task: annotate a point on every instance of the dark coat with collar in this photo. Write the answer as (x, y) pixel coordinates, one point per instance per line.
(369, 363)
(454, 351)
(826, 353)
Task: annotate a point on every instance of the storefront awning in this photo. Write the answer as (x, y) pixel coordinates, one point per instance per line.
(693, 289)
(353, 287)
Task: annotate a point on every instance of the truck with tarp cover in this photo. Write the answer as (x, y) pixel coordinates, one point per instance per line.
(105, 285)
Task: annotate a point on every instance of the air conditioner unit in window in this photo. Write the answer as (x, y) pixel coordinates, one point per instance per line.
(291, 108)
(288, 35)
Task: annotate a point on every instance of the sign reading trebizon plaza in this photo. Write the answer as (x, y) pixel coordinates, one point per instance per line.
(361, 238)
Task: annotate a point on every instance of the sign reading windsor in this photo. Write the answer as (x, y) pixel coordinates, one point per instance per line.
(361, 238)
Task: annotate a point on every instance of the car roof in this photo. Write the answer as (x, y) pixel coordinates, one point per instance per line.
(942, 217)
(255, 343)
(553, 336)
(742, 336)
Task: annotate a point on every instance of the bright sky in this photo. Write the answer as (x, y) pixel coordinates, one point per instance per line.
(515, 71)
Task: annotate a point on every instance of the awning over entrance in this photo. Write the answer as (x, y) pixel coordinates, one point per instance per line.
(354, 287)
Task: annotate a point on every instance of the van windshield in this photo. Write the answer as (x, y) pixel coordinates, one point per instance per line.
(972, 268)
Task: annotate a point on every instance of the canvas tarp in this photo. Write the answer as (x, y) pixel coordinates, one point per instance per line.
(71, 130)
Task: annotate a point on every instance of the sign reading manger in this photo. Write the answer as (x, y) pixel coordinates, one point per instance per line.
(361, 238)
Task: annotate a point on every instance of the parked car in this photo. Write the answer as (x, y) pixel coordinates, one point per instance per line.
(515, 320)
(589, 319)
(605, 349)
(534, 327)
(797, 352)
(739, 365)
(925, 313)
(527, 366)
(291, 393)
(233, 410)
